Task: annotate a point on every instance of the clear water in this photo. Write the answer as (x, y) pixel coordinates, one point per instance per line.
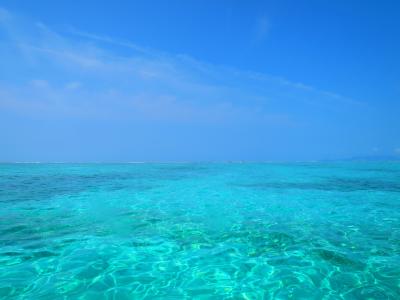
(200, 231)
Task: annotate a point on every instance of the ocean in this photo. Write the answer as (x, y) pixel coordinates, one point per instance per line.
(326, 230)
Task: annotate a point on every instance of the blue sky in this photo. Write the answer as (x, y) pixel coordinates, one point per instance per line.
(199, 80)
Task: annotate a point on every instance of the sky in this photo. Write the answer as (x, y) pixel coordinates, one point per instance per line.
(124, 81)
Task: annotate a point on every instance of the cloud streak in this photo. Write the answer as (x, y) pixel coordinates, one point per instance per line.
(191, 83)
(73, 75)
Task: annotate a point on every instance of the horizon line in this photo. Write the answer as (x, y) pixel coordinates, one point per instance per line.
(361, 159)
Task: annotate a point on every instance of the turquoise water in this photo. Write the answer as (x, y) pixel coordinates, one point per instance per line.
(200, 231)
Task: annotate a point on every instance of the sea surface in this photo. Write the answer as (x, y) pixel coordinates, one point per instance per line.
(200, 231)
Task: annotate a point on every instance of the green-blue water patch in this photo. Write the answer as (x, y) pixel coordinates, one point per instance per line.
(200, 231)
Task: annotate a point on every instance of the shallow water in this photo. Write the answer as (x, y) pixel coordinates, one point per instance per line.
(200, 231)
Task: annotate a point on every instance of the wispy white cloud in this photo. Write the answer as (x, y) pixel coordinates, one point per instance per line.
(375, 149)
(4, 15)
(262, 28)
(39, 83)
(217, 71)
(73, 85)
(83, 74)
